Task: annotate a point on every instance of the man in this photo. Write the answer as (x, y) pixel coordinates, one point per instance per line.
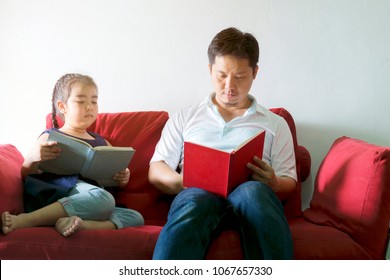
(227, 117)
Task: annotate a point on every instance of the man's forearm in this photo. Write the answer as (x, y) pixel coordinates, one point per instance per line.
(165, 178)
(285, 186)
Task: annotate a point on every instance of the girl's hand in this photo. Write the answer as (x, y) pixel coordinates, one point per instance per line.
(47, 151)
(123, 177)
(41, 151)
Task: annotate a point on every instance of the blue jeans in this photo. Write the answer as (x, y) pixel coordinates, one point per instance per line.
(196, 216)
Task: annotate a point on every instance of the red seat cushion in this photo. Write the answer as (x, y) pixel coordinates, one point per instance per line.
(318, 242)
(39, 243)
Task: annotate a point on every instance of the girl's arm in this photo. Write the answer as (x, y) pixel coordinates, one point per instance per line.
(41, 151)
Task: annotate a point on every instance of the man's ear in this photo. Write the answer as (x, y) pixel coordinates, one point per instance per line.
(255, 71)
(210, 67)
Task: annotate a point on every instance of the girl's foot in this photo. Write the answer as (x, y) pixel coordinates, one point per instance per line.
(7, 222)
(68, 225)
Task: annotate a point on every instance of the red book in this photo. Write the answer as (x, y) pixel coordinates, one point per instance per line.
(218, 171)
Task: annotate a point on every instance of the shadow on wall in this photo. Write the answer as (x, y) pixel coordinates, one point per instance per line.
(318, 139)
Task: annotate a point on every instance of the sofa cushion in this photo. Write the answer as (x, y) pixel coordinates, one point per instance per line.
(11, 187)
(39, 243)
(352, 193)
(140, 130)
(225, 246)
(320, 242)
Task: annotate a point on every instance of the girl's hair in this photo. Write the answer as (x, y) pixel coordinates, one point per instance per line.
(62, 91)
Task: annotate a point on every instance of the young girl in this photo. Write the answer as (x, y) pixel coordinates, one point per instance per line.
(85, 206)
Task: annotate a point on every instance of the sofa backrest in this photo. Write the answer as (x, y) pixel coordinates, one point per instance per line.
(142, 130)
(352, 193)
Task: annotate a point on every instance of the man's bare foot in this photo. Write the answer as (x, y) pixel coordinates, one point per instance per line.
(6, 222)
(68, 225)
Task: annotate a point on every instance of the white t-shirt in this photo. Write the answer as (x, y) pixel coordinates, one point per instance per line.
(203, 124)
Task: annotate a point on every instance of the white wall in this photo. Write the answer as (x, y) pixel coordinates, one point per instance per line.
(327, 62)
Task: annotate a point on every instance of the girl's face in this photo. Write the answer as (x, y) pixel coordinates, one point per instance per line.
(81, 109)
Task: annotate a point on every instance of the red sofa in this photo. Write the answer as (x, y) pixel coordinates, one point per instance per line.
(348, 217)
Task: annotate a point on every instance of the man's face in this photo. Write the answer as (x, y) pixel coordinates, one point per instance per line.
(232, 79)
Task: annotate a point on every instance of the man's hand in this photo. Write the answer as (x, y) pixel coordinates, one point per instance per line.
(264, 173)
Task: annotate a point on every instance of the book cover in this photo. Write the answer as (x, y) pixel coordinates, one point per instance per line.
(218, 171)
(96, 163)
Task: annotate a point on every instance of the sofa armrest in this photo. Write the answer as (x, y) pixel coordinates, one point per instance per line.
(304, 159)
(11, 185)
